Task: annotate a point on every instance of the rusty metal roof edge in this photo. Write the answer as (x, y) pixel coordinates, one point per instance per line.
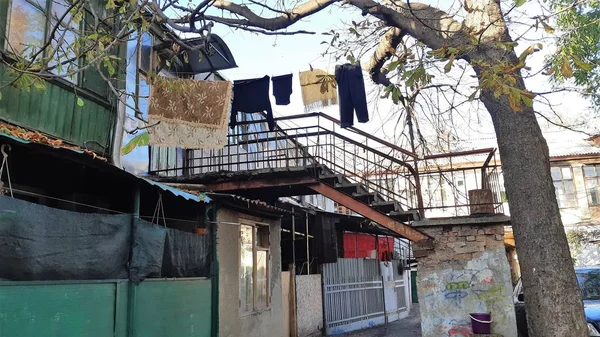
(255, 202)
(81, 152)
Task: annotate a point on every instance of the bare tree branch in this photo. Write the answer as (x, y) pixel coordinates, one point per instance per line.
(383, 52)
(276, 23)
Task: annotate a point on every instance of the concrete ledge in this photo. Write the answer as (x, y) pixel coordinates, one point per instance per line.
(480, 220)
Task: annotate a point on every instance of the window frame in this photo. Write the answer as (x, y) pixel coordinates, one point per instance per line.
(79, 84)
(256, 307)
(48, 13)
(596, 179)
(570, 202)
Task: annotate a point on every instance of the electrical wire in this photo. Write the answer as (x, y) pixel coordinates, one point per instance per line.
(17, 191)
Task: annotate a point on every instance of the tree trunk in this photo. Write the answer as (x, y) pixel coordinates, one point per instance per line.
(552, 297)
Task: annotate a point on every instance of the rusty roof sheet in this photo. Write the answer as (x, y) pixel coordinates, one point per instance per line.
(561, 143)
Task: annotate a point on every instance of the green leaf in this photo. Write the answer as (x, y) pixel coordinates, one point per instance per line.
(0, 96)
(142, 139)
(472, 96)
(519, 3)
(396, 95)
(39, 84)
(448, 65)
(80, 102)
(581, 65)
(528, 101)
(110, 67)
(393, 65)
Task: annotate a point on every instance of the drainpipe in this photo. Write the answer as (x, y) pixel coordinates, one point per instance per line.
(210, 218)
(117, 142)
(132, 286)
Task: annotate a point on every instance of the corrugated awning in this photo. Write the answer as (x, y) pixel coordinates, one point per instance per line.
(201, 197)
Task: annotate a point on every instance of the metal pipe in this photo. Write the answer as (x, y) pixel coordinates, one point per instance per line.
(307, 237)
(293, 239)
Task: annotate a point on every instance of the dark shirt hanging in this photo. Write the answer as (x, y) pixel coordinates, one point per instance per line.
(251, 96)
(352, 96)
(282, 89)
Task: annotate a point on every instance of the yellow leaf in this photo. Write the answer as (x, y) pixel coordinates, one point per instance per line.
(566, 69)
(547, 28)
(528, 94)
(513, 103)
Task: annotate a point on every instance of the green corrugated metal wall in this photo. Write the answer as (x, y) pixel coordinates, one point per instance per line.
(55, 111)
(177, 308)
(155, 308)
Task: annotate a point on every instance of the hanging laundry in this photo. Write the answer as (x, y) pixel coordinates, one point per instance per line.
(249, 96)
(192, 113)
(186, 136)
(351, 87)
(282, 89)
(318, 89)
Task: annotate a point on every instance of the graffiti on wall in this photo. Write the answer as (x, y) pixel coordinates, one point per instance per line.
(462, 284)
(448, 295)
(454, 328)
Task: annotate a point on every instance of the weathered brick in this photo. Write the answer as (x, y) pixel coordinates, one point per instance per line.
(420, 253)
(494, 230)
(480, 231)
(451, 239)
(425, 244)
(465, 256)
(468, 232)
(499, 237)
(471, 238)
(455, 245)
(467, 249)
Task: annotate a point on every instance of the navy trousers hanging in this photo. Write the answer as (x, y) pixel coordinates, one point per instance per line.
(351, 94)
(251, 96)
(282, 89)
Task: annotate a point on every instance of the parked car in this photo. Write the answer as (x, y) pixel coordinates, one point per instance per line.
(589, 283)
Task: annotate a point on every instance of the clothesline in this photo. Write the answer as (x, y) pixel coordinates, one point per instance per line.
(192, 113)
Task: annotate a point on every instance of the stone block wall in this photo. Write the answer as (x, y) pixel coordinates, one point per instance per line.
(463, 270)
(309, 303)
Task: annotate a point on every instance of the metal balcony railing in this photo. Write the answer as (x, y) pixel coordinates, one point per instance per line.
(430, 184)
(446, 180)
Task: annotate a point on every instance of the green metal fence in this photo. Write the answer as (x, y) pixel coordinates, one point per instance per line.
(112, 308)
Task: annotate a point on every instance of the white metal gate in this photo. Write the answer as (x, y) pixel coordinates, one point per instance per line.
(396, 290)
(353, 295)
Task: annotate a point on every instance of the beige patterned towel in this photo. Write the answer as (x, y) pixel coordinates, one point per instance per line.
(192, 113)
(319, 89)
(186, 136)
